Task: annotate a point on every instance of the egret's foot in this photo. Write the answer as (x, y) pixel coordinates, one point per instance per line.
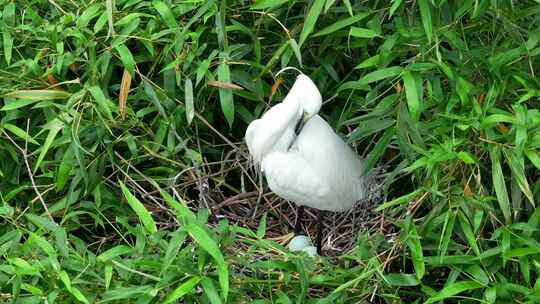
(302, 243)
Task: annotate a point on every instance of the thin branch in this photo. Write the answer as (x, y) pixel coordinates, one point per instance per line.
(24, 153)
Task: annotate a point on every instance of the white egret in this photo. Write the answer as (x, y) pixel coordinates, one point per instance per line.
(303, 159)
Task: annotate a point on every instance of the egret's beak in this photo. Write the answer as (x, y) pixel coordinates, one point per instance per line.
(300, 124)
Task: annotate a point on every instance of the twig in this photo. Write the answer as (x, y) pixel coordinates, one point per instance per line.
(58, 7)
(24, 153)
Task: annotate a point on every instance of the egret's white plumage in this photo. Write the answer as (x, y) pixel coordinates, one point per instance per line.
(315, 168)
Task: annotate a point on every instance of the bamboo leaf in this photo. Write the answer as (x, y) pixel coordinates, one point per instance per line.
(381, 74)
(413, 101)
(165, 13)
(311, 19)
(362, 32)
(140, 210)
(425, 13)
(454, 289)
(499, 183)
(341, 24)
(182, 290)
(226, 95)
(126, 57)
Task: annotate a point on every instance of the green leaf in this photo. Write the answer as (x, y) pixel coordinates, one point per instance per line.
(109, 9)
(349, 6)
(136, 292)
(140, 210)
(467, 230)
(8, 16)
(65, 279)
(425, 13)
(181, 209)
(520, 252)
(226, 95)
(413, 242)
(296, 50)
(182, 290)
(39, 95)
(108, 275)
(467, 157)
(202, 69)
(16, 104)
(104, 104)
(79, 295)
(88, 14)
(369, 62)
(18, 132)
(516, 164)
(7, 40)
(401, 279)
(454, 289)
(341, 24)
(206, 242)
(499, 183)
(268, 4)
(221, 31)
(395, 6)
(399, 200)
(413, 101)
(379, 149)
(261, 230)
(177, 240)
(447, 232)
(210, 290)
(156, 101)
(311, 19)
(127, 58)
(362, 32)
(210, 246)
(43, 244)
(532, 155)
(490, 295)
(165, 13)
(64, 169)
(41, 222)
(381, 74)
(54, 128)
(114, 252)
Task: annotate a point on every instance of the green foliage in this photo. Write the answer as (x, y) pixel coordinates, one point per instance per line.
(446, 90)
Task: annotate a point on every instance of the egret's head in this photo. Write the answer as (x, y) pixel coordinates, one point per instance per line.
(306, 94)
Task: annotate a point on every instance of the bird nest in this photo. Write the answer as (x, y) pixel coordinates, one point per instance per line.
(231, 189)
(255, 199)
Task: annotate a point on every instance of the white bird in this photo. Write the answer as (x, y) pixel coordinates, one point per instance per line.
(303, 159)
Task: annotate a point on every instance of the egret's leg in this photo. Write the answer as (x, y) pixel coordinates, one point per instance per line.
(320, 214)
(298, 224)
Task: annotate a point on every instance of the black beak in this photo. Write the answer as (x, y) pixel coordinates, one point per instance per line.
(299, 126)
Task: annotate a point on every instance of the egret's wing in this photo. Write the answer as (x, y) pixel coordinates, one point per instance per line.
(251, 133)
(291, 177)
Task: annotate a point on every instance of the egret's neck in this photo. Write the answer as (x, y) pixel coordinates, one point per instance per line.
(274, 131)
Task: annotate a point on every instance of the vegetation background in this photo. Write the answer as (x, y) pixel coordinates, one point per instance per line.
(123, 177)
